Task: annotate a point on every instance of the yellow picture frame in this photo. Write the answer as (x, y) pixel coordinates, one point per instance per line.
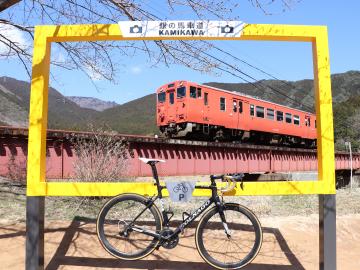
(45, 35)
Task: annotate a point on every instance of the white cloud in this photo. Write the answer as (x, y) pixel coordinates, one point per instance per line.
(9, 32)
(135, 70)
(95, 76)
(59, 57)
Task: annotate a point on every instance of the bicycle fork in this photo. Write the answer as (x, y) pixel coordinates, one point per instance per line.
(220, 208)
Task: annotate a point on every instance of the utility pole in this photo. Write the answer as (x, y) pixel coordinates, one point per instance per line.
(351, 166)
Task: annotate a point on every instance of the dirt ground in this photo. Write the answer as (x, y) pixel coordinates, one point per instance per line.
(289, 243)
(290, 225)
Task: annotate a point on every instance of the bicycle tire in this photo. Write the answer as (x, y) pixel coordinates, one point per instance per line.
(252, 228)
(128, 207)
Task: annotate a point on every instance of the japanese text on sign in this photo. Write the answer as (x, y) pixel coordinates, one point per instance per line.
(181, 28)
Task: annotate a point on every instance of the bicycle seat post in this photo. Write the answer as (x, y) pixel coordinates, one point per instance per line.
(155, 176)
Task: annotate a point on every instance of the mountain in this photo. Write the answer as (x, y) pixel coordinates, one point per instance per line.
(63, 113)
(134, 117)
(138, 116)
(301, 93)
(13, 109)
(92, 103)
(346, 123)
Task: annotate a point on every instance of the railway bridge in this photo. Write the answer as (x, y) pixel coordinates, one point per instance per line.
(183, 157)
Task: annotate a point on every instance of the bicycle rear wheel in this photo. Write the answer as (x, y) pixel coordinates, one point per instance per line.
(233, 252)
(115, 231)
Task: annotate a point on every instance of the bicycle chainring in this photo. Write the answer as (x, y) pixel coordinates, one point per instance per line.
(171, 242)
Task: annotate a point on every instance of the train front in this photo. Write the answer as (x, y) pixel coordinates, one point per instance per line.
(171, 109)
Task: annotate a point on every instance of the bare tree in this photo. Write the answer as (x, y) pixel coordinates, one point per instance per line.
(101, 157)
(96, 59)
(16, 168)
(271, 7)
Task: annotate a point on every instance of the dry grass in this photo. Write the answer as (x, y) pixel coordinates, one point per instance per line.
(13, 202)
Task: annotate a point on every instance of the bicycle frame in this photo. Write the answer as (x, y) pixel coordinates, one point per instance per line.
(213, 199)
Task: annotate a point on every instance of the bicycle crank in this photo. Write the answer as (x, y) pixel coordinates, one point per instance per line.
(171, 242)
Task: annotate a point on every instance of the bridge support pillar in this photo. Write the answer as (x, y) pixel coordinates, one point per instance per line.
(35, 215)
(327, 232)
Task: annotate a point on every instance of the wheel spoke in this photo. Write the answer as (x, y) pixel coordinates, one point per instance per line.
(117, 215)
(234, 251)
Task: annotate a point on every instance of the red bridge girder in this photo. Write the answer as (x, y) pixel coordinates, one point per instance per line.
(183, 157)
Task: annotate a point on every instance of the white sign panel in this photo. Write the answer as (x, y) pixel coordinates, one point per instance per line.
(181, 28)
(180, 191)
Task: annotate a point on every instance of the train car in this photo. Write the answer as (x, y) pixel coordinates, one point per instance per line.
(189, 110)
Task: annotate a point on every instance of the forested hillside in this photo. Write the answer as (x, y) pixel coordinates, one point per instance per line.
(138, 116)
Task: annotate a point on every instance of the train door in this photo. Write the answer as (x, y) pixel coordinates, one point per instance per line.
(196, 103)
(237, 109)
(171, 106)
(243, 123)
(307, 126)
(206, 113)
(181, 107)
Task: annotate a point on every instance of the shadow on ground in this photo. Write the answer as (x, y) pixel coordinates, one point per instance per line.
(80, 226)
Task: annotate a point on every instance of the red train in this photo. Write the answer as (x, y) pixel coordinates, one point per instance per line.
(190, 110)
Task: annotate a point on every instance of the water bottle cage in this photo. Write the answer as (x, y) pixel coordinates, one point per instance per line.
(167, 216)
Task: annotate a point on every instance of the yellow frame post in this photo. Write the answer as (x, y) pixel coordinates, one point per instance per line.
(44, 35)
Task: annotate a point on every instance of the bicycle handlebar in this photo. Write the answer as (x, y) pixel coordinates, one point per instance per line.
(236, 177)
(231, 180)
(215, 177)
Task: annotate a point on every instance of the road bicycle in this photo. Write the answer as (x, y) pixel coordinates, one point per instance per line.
(228, 236)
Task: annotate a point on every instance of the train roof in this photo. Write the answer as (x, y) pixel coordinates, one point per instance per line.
(239, 94)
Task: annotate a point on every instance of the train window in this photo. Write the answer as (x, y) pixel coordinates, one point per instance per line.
(234, 106)
(171, 97)
(171, 85)
(288, 117)
(252, 113)
(240, 107)
(206, 98)
(270, 114)
(279, 116)
(192, 92)
(222, 104)
(199, 92)
(181, 92)
(260, 111)
(161, 97)
(297, 120)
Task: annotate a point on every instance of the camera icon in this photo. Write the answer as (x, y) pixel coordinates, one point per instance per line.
(227, 29)
(136, 29)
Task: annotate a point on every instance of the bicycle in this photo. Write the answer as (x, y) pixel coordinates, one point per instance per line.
(181, 187)
(228, 236)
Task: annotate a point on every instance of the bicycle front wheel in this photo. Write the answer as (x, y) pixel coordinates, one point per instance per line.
(231, 251)
(120, 224)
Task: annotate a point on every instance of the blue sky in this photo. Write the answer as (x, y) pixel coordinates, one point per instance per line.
(285, 60)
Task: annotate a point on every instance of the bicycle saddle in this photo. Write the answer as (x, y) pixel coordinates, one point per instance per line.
(148, 160)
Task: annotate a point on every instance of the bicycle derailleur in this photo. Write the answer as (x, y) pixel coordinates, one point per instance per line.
(170, 242)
